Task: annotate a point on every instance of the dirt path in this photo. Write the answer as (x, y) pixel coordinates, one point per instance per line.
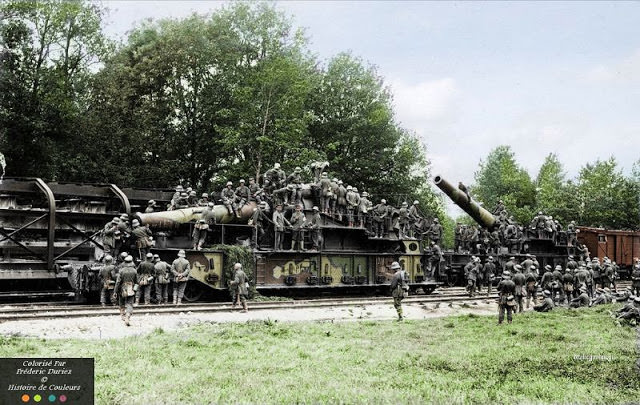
(108, 327)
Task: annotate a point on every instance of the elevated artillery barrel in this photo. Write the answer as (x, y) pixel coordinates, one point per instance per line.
(173, 219)
(475, 211)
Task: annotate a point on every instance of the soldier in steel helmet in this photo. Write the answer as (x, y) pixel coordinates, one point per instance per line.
(161, 271)
(279, 223)
(180, 269)
(107, 280)
(506, 289)
(547, 304)
(399, 287)
(199, 234)
(204, 200)
(240, 287)
(124, 289)
(314, 225)
(146, 272)
(142, 235)
(229, 199)
(519, 280)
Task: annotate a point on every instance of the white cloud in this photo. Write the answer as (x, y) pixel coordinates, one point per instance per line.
(425, 102)
(626, 70)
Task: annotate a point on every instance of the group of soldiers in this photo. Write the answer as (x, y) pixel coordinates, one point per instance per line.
(127, 284)
(331, 197)
(507, 233)
(579, 284)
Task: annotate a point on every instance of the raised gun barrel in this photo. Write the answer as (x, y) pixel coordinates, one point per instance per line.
(475, 211)
(173, 219)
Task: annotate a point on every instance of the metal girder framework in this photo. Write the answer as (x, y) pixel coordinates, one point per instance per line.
(86, 239)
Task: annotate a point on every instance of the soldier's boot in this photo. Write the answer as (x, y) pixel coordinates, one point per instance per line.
(127, 319)
(293, 244)
(175, 300)
(244, 307)
(122, 313)
(399, 311)
(179, 301)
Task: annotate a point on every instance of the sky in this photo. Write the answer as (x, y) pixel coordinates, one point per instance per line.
(466, 77)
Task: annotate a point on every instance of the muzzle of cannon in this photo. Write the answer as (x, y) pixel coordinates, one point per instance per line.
(475, 211)
(173, 219)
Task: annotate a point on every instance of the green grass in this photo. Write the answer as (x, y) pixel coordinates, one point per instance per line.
(464, 359)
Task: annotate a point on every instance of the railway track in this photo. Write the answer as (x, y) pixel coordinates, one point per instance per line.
(14, 313)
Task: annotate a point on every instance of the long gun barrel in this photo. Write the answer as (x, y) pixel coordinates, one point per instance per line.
(173, 219)
(475, 211)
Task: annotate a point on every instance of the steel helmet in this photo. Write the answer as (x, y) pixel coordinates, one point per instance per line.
(395, 266)
(181, 253)
(149, 256)
(108, 258)
(128, 259)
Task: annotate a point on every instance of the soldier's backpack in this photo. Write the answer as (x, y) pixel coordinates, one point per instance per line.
(127, 289)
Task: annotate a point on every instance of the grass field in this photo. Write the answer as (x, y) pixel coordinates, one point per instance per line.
(466, 359)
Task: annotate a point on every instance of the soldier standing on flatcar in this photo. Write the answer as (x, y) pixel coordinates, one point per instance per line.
(353, 201)
(162, 271)
(519, 280)
(256, 221)
(298, 221)
(180, 269)
(325, 192)
(124, 289)
(507, 289)
(199, 234)
(380, 212)
(365, 208)
(242, 196)
(279, 222)
(239, 286)
(108, 236)
(435, 231)
(254, 191)
(294, 182)
(403, 220)
(571, 233)
(333, 202)
(108, 277)
(342, 200)
(314, 226)
(143, 238)
(145, 272)
(434, 260)
(399, 288)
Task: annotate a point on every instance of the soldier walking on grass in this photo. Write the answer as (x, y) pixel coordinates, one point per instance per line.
(239, 287)
(124, 289)
(146, 272)
(399, 288)
(507, 302)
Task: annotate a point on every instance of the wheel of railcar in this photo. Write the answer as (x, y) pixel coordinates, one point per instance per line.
(193, 291)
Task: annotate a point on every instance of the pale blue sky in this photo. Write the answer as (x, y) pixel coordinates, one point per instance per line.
(543, 77)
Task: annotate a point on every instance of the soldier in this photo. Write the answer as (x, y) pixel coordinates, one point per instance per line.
(279, 222)
(499, 208)
(547, 278)
(199, 234)
(176, 196)
(295, 182)
(240, 287)
(519, 280)
(242, 196)
(209, 215)
(532, 289)
(635, 279)
(161, 271)
(630, 313)
(507, 289)
(180, 269)
(571, 233)
(318, 168)
(608, 274)
(546, 305)
(333, 202)
(599, 298)
(298, 221)
(192, 199)
(489, 273)
(435, 231)
(510, 265)
(108, 236)
(274, 178)
(314, 226)
(151, 207)
(582, 300)
(257, 221)
(143, 236)
(365, 207)
(146, 272)
(457, 238)
(108, 277)
(538, 225)
(597, 272)
(229, 199)
(399, 288)
(526, 264)
(434, 260)
(342, 200)
(324, 184)
(557, 285)
(403, 220)
(471, 274)
(255, 192)
(127, 278)
(183, 201)
(204, 200)
(380, 212)
(353, 201)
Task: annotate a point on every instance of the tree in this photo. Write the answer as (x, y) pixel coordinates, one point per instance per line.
(500, 178)
(48, 50)
(605, 198)
(552, 196)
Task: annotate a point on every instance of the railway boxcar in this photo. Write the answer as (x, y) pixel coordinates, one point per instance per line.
(619, 246)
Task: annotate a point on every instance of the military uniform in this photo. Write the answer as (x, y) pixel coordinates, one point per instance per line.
(108, 236)
(297, 225)
(229, 199)
(316, 232)
(379, 214)
(124, 289)
(294, 183)
(506, 289)
(531, 287)
(243, 195)
(546, 305)
(399, 288)
(519, 281)
(325, 193)
(199, 234)
(239, 286)
(256, 220)
(489, 273)
(635, 280)
(353, 202)
(143, 236)
(556, 285)
(146, 273)
(180, 269)
(582, 300)
(279, 222)
(365, 207)
(108, 277)
(161, 271)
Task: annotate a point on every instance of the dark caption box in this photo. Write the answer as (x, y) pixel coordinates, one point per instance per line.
(46, 381)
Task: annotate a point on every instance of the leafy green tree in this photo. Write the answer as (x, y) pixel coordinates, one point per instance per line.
(499, 177)
(553, 192)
